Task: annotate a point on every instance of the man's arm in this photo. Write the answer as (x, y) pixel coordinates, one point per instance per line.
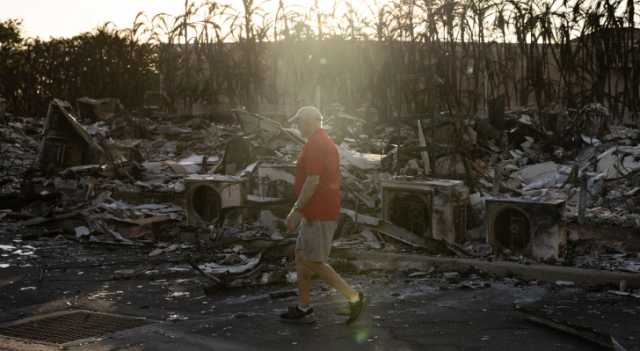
(308, 189)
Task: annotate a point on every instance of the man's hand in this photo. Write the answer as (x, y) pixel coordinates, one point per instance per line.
(293, 220)
(308, 189)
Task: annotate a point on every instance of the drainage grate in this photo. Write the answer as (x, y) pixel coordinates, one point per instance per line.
(62, 328)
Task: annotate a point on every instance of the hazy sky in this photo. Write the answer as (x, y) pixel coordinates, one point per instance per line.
(45, 18)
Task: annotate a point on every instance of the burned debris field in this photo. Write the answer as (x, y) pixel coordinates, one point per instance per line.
(157, 179)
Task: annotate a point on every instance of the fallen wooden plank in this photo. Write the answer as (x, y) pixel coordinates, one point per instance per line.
(42, 220)
(360, 218)
(424, 154)
(139, 221)
(383, 227)
(400, 234)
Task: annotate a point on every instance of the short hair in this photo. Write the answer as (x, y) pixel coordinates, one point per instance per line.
(307, 112)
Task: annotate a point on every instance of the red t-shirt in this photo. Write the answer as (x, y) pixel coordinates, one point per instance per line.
(320, 157)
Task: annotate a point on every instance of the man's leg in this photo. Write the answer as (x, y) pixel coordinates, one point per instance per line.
(317, 238)
(304, 279)
(302, 310)
(331, 277)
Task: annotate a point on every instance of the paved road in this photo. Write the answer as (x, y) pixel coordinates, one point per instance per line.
(404, 313)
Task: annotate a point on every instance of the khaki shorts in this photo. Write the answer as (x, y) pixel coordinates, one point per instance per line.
(315, 238)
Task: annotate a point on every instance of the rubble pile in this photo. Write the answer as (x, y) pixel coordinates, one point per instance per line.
(546, 164)
(443, 185)
(19, 141)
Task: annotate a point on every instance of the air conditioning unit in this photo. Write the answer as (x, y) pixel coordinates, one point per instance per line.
(526, 227)
(432, 208)
(207, 195)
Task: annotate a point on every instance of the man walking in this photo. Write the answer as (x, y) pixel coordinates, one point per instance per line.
(317, 187)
